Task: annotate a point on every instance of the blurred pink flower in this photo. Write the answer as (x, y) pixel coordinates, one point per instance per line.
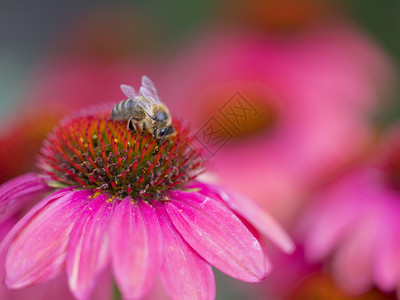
(354, 224)
(306, 281)
(121, 198)
(296, 278)
(321, 286)
(311, 93)
(18, 131)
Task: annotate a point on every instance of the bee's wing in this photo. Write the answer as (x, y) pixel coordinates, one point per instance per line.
(129, 91)
(149, 90)
(132, 94)
(145, 104)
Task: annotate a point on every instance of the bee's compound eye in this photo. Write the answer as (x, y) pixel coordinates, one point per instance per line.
(162, 132)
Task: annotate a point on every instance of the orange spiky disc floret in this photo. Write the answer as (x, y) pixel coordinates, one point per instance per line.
(95, 152)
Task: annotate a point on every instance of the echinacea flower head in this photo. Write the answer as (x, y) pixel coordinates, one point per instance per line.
(100, 154)
(123, 198)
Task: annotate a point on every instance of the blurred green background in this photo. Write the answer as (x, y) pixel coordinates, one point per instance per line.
(29, 30)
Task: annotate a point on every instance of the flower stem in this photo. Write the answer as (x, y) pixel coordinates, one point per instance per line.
(116, 293)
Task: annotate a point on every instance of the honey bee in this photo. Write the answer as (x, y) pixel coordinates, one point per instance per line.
(145, 110)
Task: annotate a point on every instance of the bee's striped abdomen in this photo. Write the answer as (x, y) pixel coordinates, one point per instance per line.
(127, 109)
(119, 112)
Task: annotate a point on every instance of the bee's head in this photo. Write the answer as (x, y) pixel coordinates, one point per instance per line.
(164, 132)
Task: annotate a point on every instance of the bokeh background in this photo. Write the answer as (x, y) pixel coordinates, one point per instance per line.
(322, 76)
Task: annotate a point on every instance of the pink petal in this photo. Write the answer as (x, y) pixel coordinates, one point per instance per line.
(37, 252)
(217, 235)
(56, 288)
(104, 287)
(88, 248)
(387, 245)
(185, 275)
(328, 222)
(16, 192)
(28, 216)
(352, 263)
(6, 226)
(136, 247)
(254, 214)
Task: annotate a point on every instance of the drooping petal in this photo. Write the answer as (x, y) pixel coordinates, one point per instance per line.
(6, 226)
(185, 275)
(37, 252)
(136, 247)
(217, 235)
(56, 288)
(254, 214)
(28, 216)
(104, 287)
(16, 192)
(88, 248)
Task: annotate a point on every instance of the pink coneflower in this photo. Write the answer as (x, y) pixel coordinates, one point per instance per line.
(120, 198)
(354, 224)
(311, 92)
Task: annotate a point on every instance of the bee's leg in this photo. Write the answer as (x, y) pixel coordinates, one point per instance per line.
(141, 127)
(131, 124)
(159, 143)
